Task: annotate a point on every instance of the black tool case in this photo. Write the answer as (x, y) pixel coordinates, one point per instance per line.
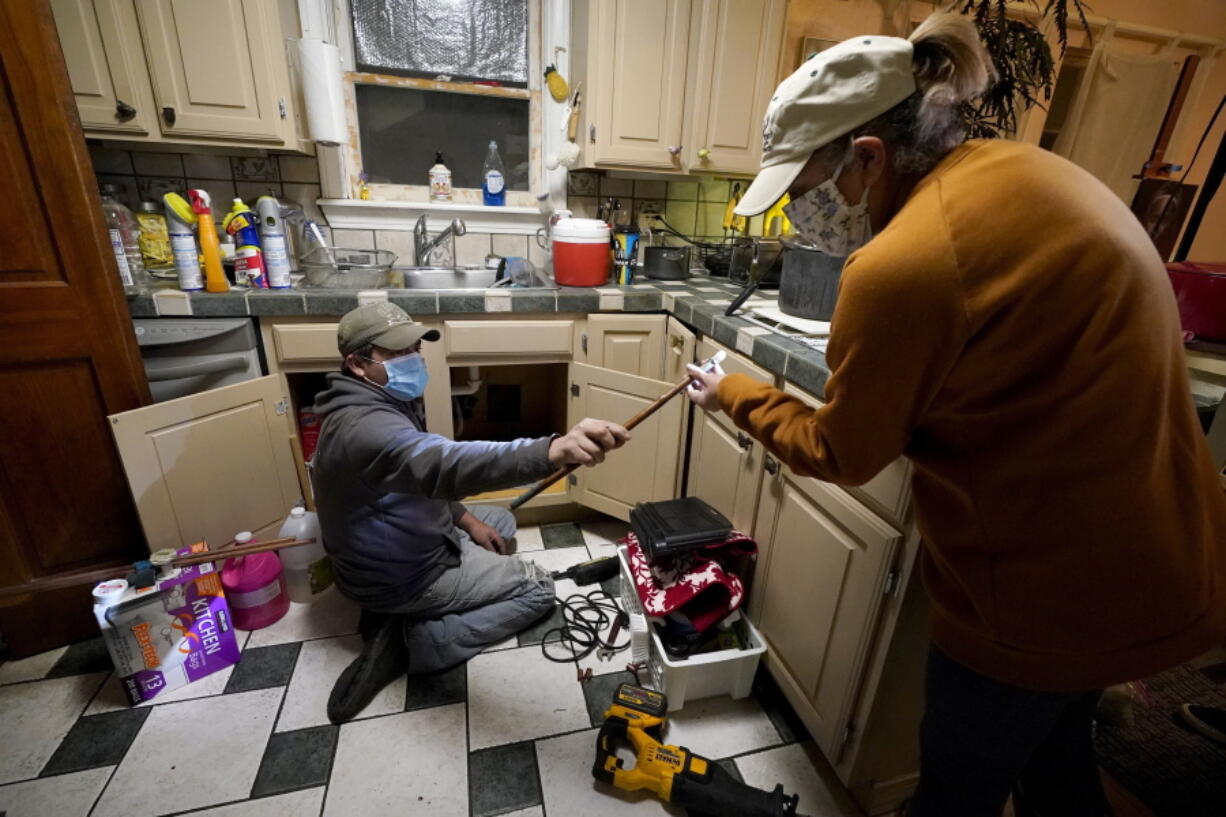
(675, 526)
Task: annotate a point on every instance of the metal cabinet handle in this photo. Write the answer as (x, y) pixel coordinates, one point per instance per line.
(744, 440)
(771, 465)
(674, 149)
(168, 113)
(124, 111)
(703, 154)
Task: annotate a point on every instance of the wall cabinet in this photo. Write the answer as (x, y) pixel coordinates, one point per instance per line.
(675, 85)
(182, 72)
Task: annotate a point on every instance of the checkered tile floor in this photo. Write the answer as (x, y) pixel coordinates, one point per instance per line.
(508, 734)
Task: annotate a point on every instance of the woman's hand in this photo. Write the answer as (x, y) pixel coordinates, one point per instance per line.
(704, 390)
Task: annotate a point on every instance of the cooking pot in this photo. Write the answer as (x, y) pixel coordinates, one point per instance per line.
(809, 283)
(666, 263)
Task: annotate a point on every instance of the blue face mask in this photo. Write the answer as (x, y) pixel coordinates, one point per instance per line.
(406, 376)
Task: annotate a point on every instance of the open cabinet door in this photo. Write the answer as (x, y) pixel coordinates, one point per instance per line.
(645, 469)
(209, 465)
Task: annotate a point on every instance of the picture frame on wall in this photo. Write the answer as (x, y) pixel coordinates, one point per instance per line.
(812, 45)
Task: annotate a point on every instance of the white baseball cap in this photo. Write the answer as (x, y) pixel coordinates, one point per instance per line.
(831, 94)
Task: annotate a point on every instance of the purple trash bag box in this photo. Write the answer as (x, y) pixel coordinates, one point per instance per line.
(166, 636)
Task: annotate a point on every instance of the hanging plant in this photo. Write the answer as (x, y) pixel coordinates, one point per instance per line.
(1023, 58)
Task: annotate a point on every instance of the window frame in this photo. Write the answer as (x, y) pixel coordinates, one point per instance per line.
(544, 31)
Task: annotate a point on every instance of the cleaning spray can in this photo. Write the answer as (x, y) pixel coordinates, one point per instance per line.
(210, 247)
(180, 221)
(272, 236)
(243, 224)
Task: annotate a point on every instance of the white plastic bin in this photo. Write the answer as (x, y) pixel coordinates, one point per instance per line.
(708, 675)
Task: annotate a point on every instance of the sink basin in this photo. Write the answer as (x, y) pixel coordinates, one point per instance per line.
(448, 277)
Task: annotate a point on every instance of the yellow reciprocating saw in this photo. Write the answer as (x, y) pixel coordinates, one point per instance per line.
(674, 773)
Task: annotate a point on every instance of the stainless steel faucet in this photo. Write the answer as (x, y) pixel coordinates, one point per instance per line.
(423, 245)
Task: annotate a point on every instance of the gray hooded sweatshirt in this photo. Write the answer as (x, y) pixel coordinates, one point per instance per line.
(387, 491)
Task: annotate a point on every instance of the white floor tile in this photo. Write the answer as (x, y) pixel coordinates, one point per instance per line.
(67, 795)
(601, 536)
(111, 697)
(35, 717)
(412, 763)
(720, 727)
(517, 695)
(535, 811)
(303, 803)
(30, 669)
(192, 754)
(567, 786)
(330, 615)
(529, 539)
(802, 771)
(320, 663)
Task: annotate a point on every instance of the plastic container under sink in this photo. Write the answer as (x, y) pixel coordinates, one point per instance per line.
(255, 587)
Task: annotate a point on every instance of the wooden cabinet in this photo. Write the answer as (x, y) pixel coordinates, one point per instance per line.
(106, 66)
(679, 349)
(646, 469)
(725, 463)
(734, 54)
(209, 465)
(182, 72)
(824, 570)
(633, 344)
(676, 86)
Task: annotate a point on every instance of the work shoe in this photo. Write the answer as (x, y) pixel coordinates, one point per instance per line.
(1210, 721)
(369, 623)
(384, 658)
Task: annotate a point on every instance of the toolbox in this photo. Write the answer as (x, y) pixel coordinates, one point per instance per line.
(677, 525)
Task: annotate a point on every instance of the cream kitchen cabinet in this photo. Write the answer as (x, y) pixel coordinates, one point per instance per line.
(633, 344)
(675, 85)
(725, 463)
(209, 465)
(183, 72)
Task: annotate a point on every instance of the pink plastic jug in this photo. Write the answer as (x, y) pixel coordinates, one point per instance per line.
(255, 587)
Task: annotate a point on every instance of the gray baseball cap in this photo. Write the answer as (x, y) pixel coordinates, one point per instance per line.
(383, 324)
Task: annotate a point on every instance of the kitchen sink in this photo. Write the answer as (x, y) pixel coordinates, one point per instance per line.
(452, 277)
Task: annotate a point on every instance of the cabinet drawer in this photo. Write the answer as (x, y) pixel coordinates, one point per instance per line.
(305, 341)
(888, 493)
(508, 337)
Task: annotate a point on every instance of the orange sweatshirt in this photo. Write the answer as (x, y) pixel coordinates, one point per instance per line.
(1012, 332)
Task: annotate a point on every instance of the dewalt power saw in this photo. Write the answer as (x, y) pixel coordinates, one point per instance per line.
(674, 773)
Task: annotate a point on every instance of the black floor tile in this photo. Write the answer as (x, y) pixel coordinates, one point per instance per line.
(82, 657)
(98, 740)
(436, 689)
(503, 779)
(613, 587)
(567, 535)
(264, 667)
(598, 693)
(1215, 673)
(789, 725)
(535, 632)
(296, 760)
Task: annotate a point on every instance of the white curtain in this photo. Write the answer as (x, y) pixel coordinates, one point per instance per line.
(1117, 112)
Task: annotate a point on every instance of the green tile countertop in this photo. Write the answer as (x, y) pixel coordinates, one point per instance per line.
(699, 303)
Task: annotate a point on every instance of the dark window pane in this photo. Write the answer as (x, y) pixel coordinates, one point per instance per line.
(401, 128)
(464, 39)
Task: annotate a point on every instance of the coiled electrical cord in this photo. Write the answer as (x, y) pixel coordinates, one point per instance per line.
(583, 617)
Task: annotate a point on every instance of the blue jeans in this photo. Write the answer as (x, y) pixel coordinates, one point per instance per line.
(980, 739)
(484, 600)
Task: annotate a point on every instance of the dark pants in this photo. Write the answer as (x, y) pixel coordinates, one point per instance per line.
(981, 738)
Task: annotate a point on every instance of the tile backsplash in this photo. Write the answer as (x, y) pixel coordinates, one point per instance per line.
(693, 205)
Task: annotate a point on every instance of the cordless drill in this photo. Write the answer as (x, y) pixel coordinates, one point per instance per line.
(674, 773)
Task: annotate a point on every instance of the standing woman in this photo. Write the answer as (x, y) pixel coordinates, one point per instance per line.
(1004, 322)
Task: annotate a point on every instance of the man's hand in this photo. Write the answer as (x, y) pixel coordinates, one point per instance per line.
(704, 390)
(481, 533)
(586, 443)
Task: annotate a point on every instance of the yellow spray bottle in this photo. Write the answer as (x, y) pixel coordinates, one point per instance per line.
(210, 249)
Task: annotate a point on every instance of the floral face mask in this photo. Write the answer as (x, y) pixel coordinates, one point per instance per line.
(825, 219)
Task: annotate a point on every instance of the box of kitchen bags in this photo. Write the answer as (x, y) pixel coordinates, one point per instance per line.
(166, 636)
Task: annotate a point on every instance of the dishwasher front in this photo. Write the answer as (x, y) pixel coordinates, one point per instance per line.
(187, 355)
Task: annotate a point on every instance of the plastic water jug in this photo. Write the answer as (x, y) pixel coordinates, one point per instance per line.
(308, 570)
(255, 587)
